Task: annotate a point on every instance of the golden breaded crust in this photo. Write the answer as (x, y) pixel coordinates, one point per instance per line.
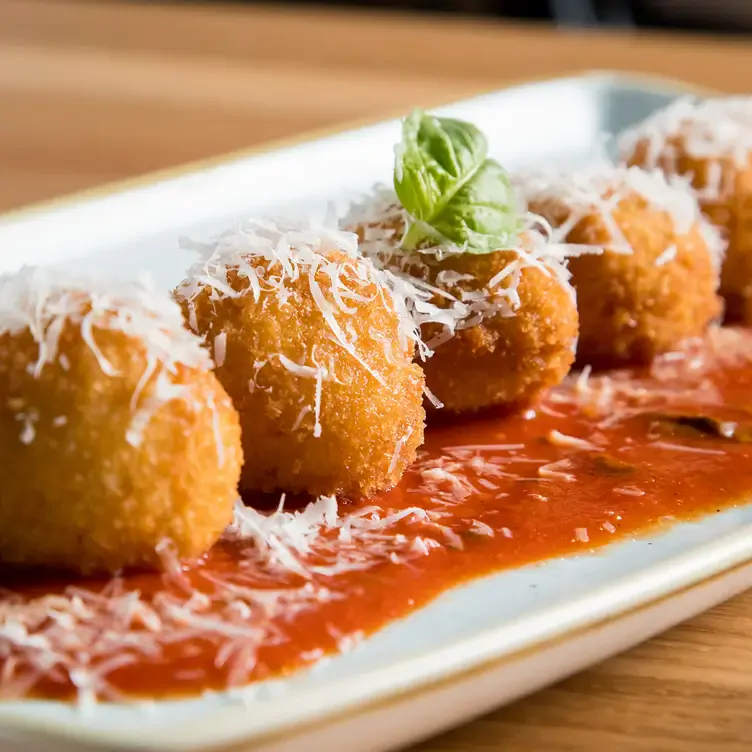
(369, 431)
(632, 308)
(505, 360)
(731, 212)
(74, 493)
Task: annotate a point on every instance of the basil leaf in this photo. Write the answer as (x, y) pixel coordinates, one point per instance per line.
(451, 190)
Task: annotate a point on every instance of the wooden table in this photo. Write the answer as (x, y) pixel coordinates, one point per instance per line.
(95, 92)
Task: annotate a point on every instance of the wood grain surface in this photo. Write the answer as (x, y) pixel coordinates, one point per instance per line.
(94, 92)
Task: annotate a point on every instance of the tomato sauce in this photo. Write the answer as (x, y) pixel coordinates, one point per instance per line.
(599, 459)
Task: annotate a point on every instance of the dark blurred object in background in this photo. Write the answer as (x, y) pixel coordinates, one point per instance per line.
(714, 15)
(700, 15)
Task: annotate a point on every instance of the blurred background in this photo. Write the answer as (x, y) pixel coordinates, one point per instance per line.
(93, 91)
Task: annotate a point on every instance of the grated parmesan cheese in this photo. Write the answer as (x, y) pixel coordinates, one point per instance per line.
(220, 348)
(304, 372)
(563, 440)
(265, 257)
(714, 130)
(600, 187)
(480, 528)
(446, 303)
(668, 255)
(46, 300)
(28, 432)
(288, 562)
(685, 448)
(398, 448)
(317, 402)
(556, 471)
(629, 491)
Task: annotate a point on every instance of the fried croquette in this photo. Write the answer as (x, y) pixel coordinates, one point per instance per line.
(511, 356)
(317, 359)
(655, 282)
(117, 443)
(504, 324)
(710, 143)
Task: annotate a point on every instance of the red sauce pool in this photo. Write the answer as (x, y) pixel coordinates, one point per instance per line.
(658, 447)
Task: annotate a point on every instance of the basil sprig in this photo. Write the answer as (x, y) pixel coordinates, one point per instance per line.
(450, 188)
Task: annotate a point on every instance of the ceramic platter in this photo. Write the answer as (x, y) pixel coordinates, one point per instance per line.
(475, 647)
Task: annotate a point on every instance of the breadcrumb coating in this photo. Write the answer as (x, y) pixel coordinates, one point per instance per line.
(77, 494)
(510, 357)
(502, 326)
(316, 418)
(724, 190)
(634, 305)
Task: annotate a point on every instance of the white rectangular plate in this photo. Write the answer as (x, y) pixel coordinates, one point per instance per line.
(478, 645)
